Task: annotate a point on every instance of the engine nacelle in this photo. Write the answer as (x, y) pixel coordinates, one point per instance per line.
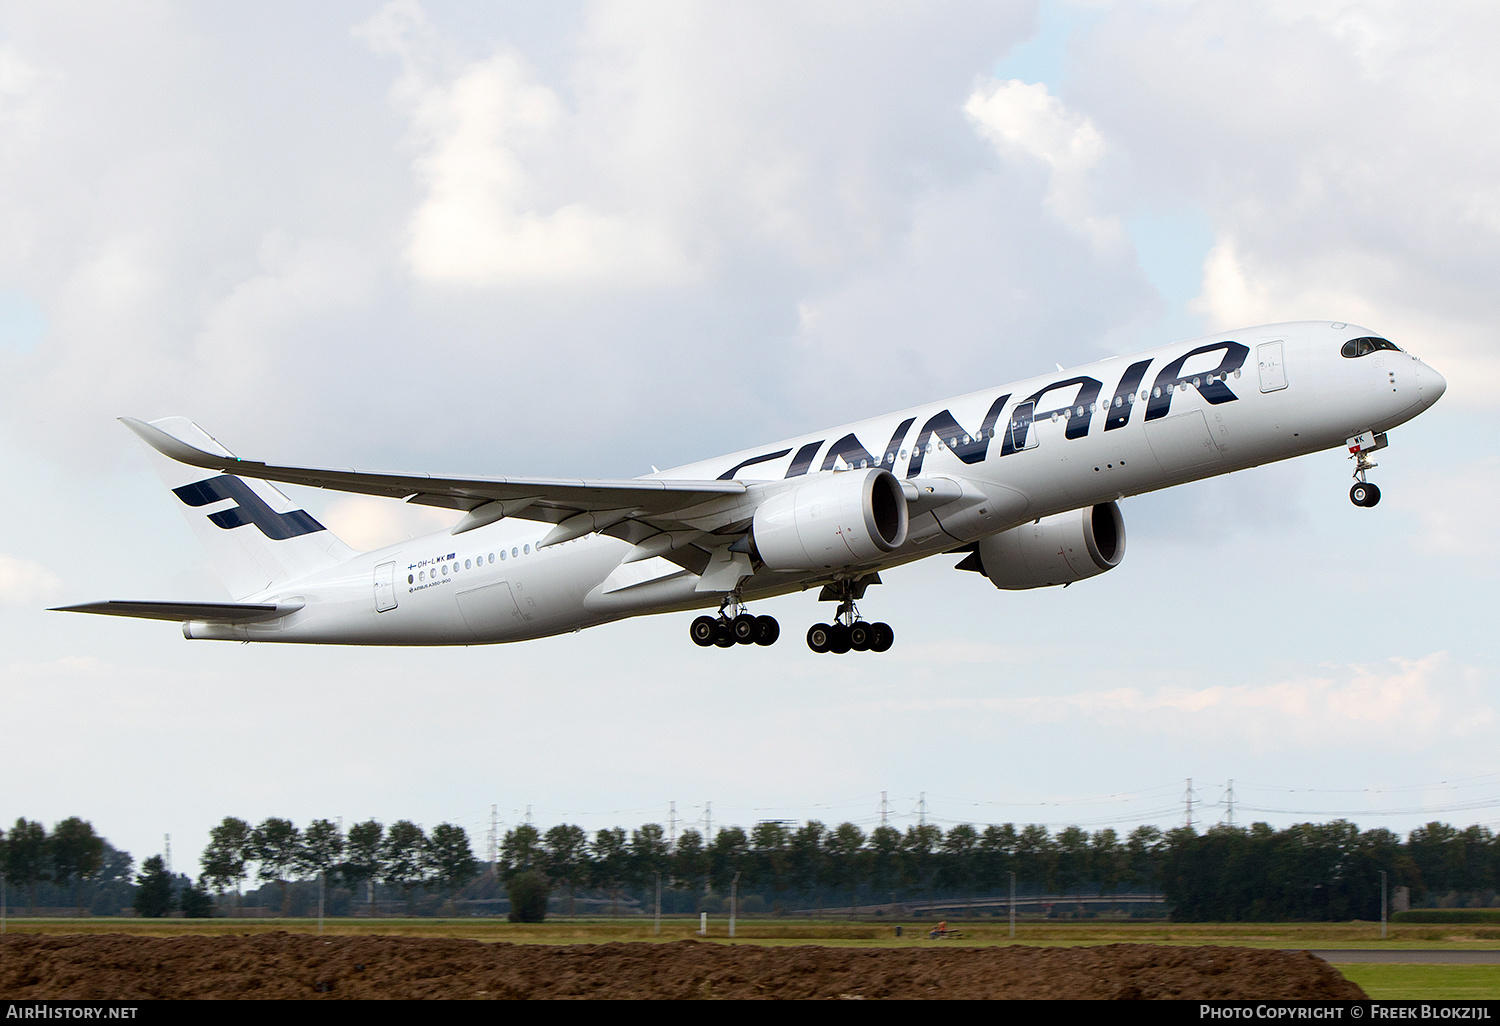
(1055, 550)
(832, 520)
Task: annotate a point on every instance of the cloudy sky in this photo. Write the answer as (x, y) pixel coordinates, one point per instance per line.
(580, 239)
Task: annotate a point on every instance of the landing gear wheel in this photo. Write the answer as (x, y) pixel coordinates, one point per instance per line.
(723, 636)
(767, 630)
(702, 630)
(881, 637)
(859, 636)
(1364, 494)
(743, 628)
(838, 639)
(817, 637)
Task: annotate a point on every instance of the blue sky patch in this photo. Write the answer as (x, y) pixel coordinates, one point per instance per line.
(22, 323)
(1043, 57)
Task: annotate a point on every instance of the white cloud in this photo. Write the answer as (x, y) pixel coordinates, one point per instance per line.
(1028, 117)
(18, 83)
(1405, 703)
(23, 583)
(1021, 117)
(255, 240)
(1243, 288)
(1343, 152)
(369, 523)
(487, 218)
(247, 334)
(920, 653)
(1457, 511)
(480, 222)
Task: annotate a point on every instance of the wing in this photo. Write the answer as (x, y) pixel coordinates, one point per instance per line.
(634, 510)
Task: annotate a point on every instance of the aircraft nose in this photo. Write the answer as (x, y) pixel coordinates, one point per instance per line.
(1431, 383)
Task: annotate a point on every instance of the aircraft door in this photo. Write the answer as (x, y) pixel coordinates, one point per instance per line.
(1272, 370)
(385, 587)
(1019, 432)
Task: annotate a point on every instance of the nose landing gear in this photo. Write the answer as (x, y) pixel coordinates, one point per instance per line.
(1364, 493)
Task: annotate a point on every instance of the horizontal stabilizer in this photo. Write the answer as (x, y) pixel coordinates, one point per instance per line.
(208, 612)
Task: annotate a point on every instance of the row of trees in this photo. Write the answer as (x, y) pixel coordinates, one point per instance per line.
(404, 856)
(68, 857)
(1306, 871)
(75, 864)
(813, 864)
(806, 864)
(1321, 870)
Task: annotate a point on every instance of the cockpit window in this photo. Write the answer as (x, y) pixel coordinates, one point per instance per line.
(1357, 347)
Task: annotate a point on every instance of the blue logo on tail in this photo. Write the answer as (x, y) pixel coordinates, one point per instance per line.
(249, 509)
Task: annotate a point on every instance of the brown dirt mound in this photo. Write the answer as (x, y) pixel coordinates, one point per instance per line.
(283, 965)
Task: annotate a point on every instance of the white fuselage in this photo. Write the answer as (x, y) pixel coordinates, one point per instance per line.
(1111, 429)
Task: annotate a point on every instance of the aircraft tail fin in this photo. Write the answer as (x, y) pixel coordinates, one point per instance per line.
(255, 536)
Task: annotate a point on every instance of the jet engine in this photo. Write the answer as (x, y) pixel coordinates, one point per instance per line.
(1059, 549)
(831, 520)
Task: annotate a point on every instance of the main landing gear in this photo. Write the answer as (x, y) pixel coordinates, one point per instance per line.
(848, 631)
(1364, 493)
(726, 631)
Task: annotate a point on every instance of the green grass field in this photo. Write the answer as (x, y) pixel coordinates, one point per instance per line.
(1435, 982)
(1426, 982)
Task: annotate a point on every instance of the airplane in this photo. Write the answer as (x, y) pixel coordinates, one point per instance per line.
(1023, 480)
